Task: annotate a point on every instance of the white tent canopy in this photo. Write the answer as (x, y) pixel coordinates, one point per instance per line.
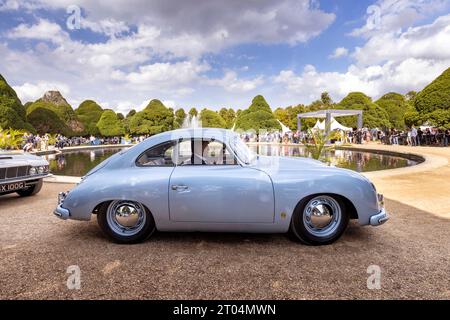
(334, 125)
(284, 129)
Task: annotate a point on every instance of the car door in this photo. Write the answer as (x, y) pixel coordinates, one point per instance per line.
(221, 191)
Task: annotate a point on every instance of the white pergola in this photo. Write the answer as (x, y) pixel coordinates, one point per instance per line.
(328, 114)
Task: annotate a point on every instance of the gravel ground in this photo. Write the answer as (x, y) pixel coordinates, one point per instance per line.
(36, 248)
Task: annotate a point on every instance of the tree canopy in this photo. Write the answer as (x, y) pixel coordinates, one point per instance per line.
(9, 98)
(89, 113)
(373, 117)
(155, 118)
(53, 114)
(434, 96)
(211, 119)
(180, 115)
(396, 106)
(110, 125)
(12, 112)
(193, 112)
(258, 116)
(45, 120)
(54, 101)
(229, 116)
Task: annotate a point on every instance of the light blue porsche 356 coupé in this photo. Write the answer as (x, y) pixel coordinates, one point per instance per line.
(208, 180)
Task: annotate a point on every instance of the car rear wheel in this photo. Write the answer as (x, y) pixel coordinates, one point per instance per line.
(319, 220)
(126, 221)
(32, 190)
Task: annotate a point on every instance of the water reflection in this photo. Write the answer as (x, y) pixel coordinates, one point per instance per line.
(78, 163)
(354, 160)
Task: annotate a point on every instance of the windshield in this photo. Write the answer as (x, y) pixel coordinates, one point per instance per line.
(241, 150)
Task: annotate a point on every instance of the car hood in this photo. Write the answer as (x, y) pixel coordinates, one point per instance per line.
(11, 159)
(288, 165)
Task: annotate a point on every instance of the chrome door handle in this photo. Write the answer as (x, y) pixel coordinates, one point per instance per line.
(179, 187)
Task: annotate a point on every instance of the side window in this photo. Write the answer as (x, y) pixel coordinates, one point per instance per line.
(160, 155)
(182, 153)
(206, 152)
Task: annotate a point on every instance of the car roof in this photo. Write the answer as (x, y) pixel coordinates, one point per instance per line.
(193, 133)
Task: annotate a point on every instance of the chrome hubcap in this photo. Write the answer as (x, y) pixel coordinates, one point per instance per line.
(322, 215)
(126, 218)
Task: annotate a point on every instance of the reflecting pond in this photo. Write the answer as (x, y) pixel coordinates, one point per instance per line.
(78, 163)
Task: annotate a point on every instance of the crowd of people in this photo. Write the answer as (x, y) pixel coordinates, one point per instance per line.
(38, 142)
(421, 136)
(418, 137)
(413, 136)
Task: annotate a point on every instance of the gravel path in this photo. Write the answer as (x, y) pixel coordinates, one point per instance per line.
(36, 248)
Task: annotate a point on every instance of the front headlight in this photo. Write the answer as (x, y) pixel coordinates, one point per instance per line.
(62, 196)
(41, 170)
(380, 199)
(32, 171)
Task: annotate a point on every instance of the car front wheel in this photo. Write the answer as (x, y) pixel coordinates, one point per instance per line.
(32, 190)
(126, 221)
(319, 220)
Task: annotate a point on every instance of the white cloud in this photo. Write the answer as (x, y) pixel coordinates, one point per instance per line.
(157, 49)
(395, 15)
(216, 23)
(176, 78)
(109, 27)
(33, 91)
(376, 80)
(231, 83)
(153, 48)
(170, 104)
(339, 52)
(9, 5)
(43, 30)
(431, 41)
(389, 61)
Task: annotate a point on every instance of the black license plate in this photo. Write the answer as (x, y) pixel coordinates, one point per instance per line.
(12, 186)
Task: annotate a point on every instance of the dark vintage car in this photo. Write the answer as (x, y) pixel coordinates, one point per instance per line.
(22, 173)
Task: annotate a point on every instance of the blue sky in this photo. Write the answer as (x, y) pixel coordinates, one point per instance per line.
(211, 53)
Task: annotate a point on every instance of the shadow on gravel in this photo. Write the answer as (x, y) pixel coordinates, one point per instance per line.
(90, 231)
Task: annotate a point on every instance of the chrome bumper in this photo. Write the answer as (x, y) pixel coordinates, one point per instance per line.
(61, 212)
(379, 218)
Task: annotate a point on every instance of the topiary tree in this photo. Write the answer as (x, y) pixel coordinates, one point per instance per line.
(411, 96)
(193, 112)
(9, 98)
(131, 113)
(229, 116)
(396, 106)
(257, 117)
(47, 121)
(434, 96)
(439, 118)
(373, 116)
(12, 112)
(89, 113)
(109, 124)
(155, 118)
(10, 119)
(211, 119)
(288, 116)
(180, 115)
(54, 101)
(325, 99)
